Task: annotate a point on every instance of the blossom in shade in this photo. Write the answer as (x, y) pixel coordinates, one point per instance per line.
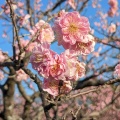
(56, 87)
(45, 32)
(21, 75)
(1, 75)
(117, 70)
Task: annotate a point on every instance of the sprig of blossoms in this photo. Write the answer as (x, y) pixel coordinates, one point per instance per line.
(59, 70)
(72, 32)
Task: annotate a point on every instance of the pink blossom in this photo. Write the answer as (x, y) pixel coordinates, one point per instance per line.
(40, 57)
(71, 27)
(117, 70)
(61, 14)
(46, 32)
(21, 75)
(4, 35)
(113, 3)
(2, 57)
(23, 44)
(73, 68)
(96, 54)
(112, 28)
(37, 1)
(30, 47)
(56, 87)
(113, 7)
(24, 20)
(6, 8)
(72, 3)
(20, 4)
(21, 11)
(117, 43)
(112, 12)
(56, 67)
(1, 75)
(85, 47)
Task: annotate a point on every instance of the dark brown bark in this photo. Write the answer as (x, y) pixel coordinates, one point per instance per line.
(8, 96)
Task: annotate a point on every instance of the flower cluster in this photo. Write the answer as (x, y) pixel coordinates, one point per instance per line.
(56, 68)
(45, 30)
(72, 32)
(59, 70)
(113, 7)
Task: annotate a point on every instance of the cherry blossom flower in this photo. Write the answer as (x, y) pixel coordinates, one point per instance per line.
(74, 69)
(24, 20)
(117, 70)
(47, 62)
(117, 43)
(56, 67)
(21, 75)
(46, 32)
(113, 7)
(20, 4)
(1, 75)
(6, 8)
(30, 47)
(2, 57)
(112, 28)
(4, 35)
(24, 43)
(56, 87)
(84, 47)
(72, 26)
(72, 3)
(40, 57)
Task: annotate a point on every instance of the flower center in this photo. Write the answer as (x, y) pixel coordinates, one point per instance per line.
(83, 45)
(54, 84)
(73, 29)
(39, 58)
(55, 68)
